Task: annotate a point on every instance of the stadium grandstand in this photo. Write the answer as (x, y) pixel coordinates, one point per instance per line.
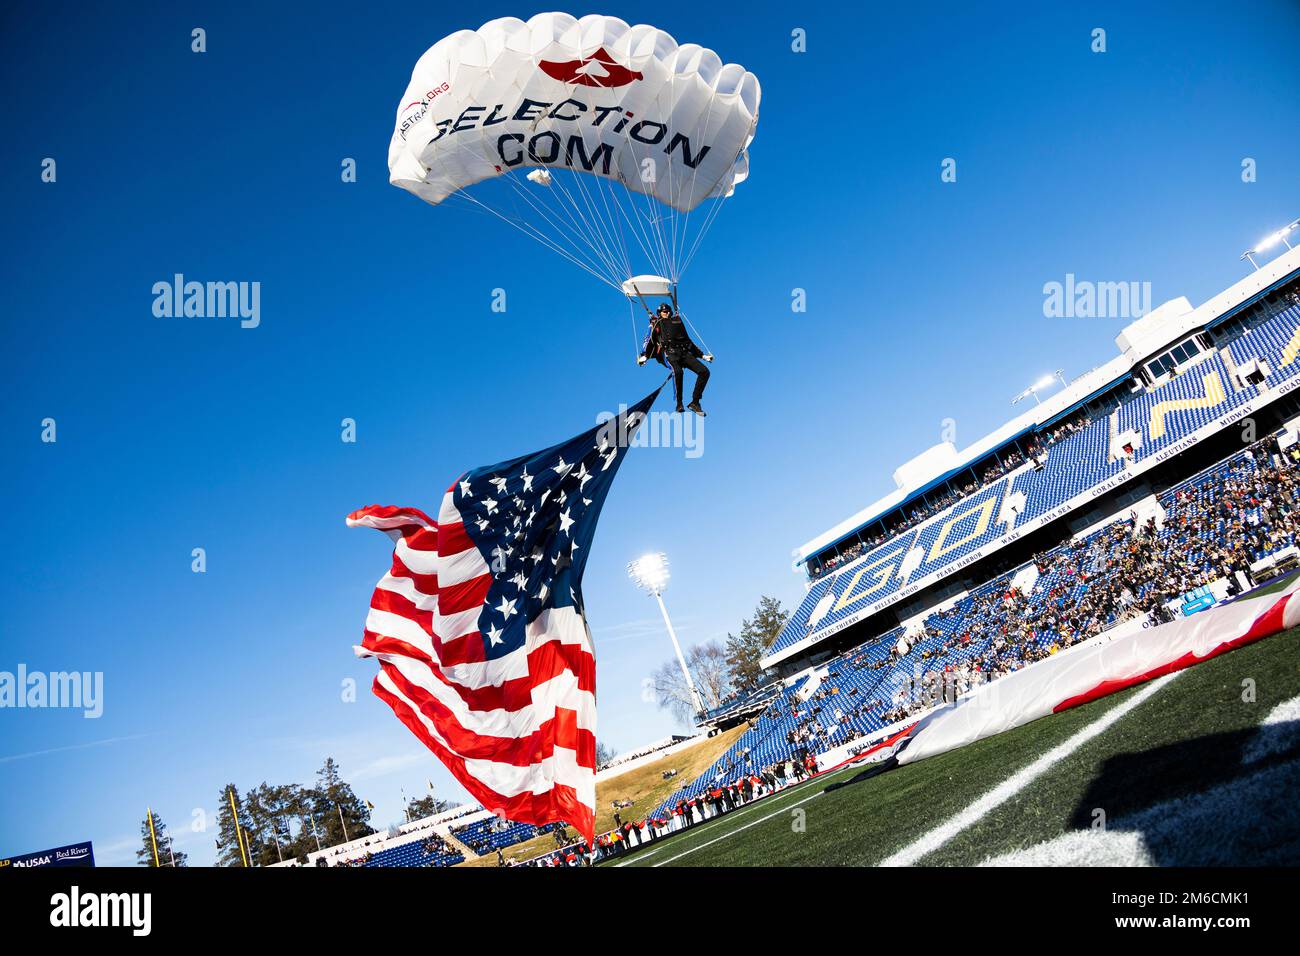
(1152, 486)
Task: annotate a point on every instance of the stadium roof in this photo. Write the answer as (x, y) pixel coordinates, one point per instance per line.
(1138, 341)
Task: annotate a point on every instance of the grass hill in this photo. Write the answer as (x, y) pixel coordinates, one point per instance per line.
(644, 785)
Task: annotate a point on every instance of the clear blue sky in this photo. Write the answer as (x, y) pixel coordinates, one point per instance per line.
(924, 302)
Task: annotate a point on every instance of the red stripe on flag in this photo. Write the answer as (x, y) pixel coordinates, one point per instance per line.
(402, 606)
(561, 731)
(453, 539)
(464, 596)
(545, 662)
(558, 805)
(424, 583)
(466, 649)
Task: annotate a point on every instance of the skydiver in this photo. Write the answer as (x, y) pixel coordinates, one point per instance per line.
(668, 343)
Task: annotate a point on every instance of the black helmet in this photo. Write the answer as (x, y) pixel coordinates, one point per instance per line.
(665, 307)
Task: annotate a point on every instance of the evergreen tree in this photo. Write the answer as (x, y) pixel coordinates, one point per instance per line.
(229, 852)
(757, 634)
(427, 807)
(338, 808)
(269, 817)
(167, 854)
(301, 805)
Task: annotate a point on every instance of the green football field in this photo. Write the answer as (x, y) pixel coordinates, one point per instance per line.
(1198, 768)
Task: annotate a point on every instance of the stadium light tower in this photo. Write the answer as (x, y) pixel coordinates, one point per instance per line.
(1269, 241)
(650, 573)
(1038, 386)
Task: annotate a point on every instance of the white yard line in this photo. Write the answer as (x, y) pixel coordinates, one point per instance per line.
(734, 815)
(1017, 782)
(732, 833)
(1278, 733)
(648, 853)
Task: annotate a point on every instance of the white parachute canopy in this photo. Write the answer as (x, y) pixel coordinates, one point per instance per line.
(596, 138)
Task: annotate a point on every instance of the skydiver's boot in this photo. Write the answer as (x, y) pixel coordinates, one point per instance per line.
(695, 407)
(679, 407)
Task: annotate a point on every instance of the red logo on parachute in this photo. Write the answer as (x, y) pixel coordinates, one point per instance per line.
(599, 69)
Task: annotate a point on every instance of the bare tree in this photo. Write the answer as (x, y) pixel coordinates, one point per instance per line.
(709, 670)
(604, 754)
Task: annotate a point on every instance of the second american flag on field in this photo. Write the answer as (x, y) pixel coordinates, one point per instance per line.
(479, 628)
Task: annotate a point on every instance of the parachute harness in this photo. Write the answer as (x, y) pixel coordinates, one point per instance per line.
(676, 308)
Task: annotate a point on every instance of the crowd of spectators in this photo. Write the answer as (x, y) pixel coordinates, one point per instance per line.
(1213, 528)
(937, 501)
(713, 802)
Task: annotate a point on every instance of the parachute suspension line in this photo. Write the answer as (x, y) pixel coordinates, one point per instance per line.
(630, 214)
(592, 260)
(655, 212)
(606, 221)
(574, 255)
(609, 238)
(530, 231)
(614, 215)
(692, 327)
(684, 222)
(654, 248)
(603, 227)
(669, 267)
(631, 317)
(609, 217)
(710, 216)
(580, 226)
(717, 206)
(662, 258)
(584, 229)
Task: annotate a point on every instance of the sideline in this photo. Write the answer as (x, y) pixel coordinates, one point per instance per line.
(1020, 780)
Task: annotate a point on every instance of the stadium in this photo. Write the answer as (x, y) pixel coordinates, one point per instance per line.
(1055, 634)
(1158, 485)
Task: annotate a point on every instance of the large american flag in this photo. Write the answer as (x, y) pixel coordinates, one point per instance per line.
(479, 630)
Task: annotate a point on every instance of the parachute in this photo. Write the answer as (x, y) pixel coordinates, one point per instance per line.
(595, 138)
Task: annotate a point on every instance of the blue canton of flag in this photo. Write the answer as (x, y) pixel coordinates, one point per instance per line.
(533, 519)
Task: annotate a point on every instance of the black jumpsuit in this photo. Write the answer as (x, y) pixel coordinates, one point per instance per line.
(669, 344)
